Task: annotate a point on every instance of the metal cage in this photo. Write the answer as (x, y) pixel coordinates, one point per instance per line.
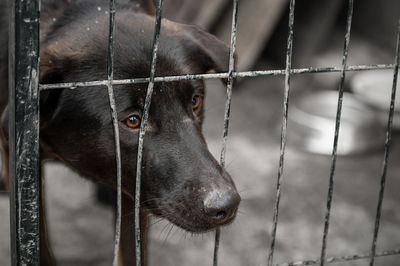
(24, 128)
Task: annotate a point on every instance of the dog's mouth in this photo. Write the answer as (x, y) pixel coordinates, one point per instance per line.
(194, 220)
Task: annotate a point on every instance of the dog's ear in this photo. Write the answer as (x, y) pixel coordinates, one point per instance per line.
(210, 52)
(54, 59)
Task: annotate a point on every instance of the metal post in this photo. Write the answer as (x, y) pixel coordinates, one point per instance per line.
(24, 131)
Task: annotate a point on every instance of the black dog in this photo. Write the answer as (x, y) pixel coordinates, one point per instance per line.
(181, 180)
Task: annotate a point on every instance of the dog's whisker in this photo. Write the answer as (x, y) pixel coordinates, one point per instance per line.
(162, 230)
(169, 232)
(177, 230)
(230, 163)
(147, 209)
(148, 200)
(241, 212)
(154, 209)
(160, 217)
(156, 222)
(245, 189)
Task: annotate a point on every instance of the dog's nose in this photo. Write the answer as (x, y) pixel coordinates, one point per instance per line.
(220, 206)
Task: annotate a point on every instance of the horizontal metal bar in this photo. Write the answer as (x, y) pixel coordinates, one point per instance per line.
(246, 74)
(341, 258)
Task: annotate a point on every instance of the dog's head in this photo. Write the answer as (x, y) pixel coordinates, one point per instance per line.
(181, 180)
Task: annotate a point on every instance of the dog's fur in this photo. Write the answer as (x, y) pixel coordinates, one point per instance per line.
(181, 180)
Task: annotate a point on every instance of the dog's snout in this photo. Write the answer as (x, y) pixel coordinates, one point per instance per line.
(220, 206)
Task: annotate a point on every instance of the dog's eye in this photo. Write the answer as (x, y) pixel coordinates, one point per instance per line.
(195, 102)
(133, 121)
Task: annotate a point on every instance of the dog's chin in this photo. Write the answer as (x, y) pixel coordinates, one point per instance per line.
(197, 225)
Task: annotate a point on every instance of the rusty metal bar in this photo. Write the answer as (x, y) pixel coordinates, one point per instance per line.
(337, 128)
(342, 258)
(387, 146)
(142, 130)
(245, 74)
(283, 129)
(24, 132)
(227, 109)
(114, 115)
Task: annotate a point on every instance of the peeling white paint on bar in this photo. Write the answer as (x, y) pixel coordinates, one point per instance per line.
(245, 74)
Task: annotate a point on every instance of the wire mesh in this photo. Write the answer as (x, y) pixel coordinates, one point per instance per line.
(231, 75)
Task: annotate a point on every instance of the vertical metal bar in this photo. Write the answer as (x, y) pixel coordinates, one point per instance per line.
(283, 129)
(114, 115)
(142, 131)
(227, 109)
(387, 146)
(337, 128)
(24, 132)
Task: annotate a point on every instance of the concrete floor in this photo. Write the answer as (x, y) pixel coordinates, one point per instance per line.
(81, 230)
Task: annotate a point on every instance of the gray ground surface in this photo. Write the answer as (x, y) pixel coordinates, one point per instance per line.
(81, 230)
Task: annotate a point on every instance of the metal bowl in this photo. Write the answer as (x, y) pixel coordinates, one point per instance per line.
(313, 119)
(375, 89)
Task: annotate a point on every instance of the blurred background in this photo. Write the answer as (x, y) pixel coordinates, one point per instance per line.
(81, 226)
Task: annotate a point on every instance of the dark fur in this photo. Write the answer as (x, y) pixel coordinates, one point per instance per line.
(181, 180)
